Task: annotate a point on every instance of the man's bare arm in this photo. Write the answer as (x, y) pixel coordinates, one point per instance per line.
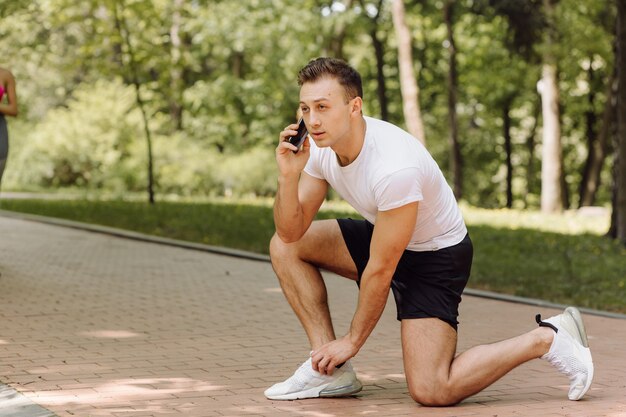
(295, 206)
(299, 195)
(392, 234)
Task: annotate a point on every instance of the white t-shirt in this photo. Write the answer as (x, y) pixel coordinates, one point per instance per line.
(392, 170)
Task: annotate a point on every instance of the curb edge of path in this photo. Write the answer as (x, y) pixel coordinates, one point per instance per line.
(236, 253)
(15, 404)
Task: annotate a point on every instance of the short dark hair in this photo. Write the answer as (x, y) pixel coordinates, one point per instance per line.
(323, 67)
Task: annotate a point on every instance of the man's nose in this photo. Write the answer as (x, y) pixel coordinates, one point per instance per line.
(313, 119)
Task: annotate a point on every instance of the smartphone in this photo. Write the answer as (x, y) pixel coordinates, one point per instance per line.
(298, 140)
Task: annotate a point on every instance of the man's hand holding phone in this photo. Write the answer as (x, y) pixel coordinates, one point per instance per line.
(301, 134)
(292, 152)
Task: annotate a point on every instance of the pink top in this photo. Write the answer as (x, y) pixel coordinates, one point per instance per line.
(1, 92)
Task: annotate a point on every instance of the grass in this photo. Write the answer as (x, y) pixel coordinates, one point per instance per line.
(563, 259)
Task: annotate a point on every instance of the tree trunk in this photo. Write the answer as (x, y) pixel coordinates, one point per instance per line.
(598, 148)
(565, 194)
(551, 164)
(456, 160)
(379, 51)
(339, 35)
(122, 27)
(381, 88)
(619, 206)
(408, 83)
(176, 92)
(238, 67)
(508, 149)
(530, 148)
(590, 134)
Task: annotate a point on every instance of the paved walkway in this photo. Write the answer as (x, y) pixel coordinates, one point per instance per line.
(97, 325)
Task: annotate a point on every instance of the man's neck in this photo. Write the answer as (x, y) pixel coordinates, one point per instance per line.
(351, 147)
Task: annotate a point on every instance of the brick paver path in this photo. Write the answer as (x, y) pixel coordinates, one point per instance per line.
(96, 325)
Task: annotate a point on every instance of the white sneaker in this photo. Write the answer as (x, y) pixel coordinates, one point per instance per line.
(569, 351)
(308, 383)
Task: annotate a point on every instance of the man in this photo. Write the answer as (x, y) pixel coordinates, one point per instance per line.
(413, 240)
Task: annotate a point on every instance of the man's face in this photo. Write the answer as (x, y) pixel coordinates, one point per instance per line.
(325, 111)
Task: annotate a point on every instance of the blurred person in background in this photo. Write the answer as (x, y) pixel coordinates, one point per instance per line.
(8, 107)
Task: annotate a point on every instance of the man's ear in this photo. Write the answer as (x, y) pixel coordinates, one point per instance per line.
(357, 106)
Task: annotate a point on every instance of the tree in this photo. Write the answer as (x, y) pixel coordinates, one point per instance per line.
(508, 149)
(587, 74)
(500, 71)
(551, 167)
(619, 206)
(516, 71)
(176, 72)
(339, 33)
(456, 160)
(379, 53)
(408, 83)
(216, 91)
(124, 33)
(530, 148)
(597, 145)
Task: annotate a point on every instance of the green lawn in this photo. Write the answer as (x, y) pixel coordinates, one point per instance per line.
(563, 259)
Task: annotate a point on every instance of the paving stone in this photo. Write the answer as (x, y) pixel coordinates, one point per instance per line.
(99, 325)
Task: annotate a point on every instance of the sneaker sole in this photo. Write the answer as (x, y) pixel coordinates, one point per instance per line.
(300, 395)
(318, 392)
(580, 326)
(342, 391)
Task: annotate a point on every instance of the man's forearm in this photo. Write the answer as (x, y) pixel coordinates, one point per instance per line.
(373, 294)
(287, 210)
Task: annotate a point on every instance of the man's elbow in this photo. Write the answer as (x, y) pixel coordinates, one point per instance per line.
(288, 236)
(383, 272)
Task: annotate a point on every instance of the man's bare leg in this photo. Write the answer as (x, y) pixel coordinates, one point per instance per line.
(297, 267)
(436, 378)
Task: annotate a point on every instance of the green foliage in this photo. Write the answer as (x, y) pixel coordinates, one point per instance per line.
(585, 70)
(250, 173)
(585, 270)
(219, 83)
(559, 259)
(82, 144)
(96, 144)
(85, 143)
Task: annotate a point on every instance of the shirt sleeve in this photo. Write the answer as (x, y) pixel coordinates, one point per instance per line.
(398, 189)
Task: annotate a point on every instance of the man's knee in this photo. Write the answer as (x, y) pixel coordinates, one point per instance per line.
(432, 394)
(282, 253)
(279, 249)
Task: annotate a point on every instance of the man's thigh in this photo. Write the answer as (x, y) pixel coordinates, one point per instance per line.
(323, 245)
(428, 348)
(430, 284)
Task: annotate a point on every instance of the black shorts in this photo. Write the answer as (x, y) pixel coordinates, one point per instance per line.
(425, 284)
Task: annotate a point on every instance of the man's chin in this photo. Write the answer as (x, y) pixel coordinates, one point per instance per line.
(321, 143)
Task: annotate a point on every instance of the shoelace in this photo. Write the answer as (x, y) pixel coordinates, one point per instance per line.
(301, 377)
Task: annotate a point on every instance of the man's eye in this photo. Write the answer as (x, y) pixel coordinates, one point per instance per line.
(304, 109)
